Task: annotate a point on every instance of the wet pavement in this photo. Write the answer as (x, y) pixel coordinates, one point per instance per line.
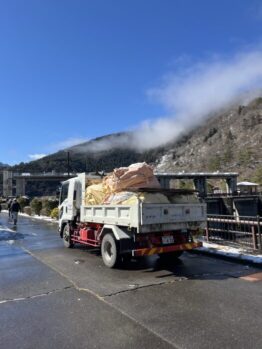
(53, 297)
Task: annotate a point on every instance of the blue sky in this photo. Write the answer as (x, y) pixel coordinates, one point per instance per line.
(76, 70)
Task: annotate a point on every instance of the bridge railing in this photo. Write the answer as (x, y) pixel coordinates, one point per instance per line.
(42, 174)
(241, 231)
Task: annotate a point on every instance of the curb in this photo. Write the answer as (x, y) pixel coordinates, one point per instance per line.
(236, 255)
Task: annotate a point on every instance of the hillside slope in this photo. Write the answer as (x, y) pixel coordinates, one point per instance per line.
(231, 141)
(83, 158)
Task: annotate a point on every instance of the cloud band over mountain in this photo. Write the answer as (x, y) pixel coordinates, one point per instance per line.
(189, 96)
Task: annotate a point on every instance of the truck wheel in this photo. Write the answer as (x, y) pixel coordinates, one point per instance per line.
(66, 237)
(170, 255)
(109, 251)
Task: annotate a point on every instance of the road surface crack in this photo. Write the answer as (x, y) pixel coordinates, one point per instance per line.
(138, 287)
(18, 299)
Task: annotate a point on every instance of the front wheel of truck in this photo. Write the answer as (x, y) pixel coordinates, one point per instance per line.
(66, 237)
(109, 251)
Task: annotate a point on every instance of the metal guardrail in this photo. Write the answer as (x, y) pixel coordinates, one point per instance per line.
(236, 194)
(241, 231)
(41, 174)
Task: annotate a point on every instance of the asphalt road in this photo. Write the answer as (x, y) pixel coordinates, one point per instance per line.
(53, 297)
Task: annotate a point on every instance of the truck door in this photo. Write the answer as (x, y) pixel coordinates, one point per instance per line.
(64, 203)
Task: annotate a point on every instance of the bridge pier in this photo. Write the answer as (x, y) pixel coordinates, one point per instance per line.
(200, 185)
(20, 187)
(231, 185)
(8, 183)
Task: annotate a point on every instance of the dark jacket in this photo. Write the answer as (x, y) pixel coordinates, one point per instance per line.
(15, 207)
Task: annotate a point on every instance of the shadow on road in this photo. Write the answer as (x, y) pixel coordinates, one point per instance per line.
(188, 266)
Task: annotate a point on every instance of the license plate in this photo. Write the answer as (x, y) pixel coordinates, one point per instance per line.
(167, 239)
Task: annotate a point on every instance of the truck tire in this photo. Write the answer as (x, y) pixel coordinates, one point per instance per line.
(169, 256)
(109, 251)
(66, 237)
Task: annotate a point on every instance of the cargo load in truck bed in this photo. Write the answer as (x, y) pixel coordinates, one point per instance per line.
(114, 187)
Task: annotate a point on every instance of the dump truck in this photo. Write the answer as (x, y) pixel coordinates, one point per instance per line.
(125, 231)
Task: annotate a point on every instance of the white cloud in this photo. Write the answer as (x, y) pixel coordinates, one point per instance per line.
(36, 156)
(208, 86)
(67, 143)
(190, 95)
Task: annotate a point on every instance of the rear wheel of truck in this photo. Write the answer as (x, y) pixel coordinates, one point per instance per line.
(109, 251)
(170, 255)
(66, 237)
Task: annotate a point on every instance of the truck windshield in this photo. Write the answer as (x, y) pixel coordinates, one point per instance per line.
(64, 192)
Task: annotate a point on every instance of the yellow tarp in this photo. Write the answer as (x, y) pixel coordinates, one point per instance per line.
(95, 194)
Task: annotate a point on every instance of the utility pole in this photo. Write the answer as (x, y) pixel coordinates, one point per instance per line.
(68, 172)
(86, 164)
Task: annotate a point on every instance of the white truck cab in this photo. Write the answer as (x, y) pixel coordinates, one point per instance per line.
(68, 203)
(70, 199)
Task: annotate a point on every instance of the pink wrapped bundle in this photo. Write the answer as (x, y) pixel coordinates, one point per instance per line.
(138, 175)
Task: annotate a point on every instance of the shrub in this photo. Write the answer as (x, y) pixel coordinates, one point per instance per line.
(54, 213)
(27, 210)
(23, 202)
(48, 205)
(36, 206)
(45, 212)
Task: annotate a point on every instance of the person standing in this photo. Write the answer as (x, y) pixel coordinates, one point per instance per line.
(15, 208)
(9, 207)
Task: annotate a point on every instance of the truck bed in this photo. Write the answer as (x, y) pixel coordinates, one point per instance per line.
(147, 217)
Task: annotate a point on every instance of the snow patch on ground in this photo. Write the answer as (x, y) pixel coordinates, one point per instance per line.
(42, 218)
(10, 242)
(5, 229)
(232, 252)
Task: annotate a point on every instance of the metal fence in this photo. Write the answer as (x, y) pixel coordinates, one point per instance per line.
(239, 231)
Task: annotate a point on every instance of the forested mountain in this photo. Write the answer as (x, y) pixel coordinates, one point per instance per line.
(229, 142)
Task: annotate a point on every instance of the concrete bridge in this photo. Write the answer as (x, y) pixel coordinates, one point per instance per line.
(200, 180)
(14, 183)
